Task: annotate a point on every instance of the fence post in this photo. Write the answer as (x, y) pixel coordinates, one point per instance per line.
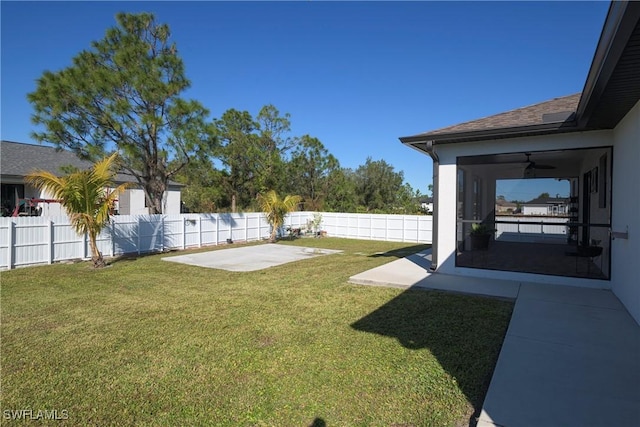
(386, 228)
(113, 240)
(138, 245)
(184, 232)
(162, 246)
(246, 228)
(200, 231)
(50, 233)
(10, 244)
(217, 229)
(370, 226)
(84, 246)
(403, 225)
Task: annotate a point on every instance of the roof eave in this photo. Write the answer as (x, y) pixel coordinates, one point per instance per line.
(485, 134)
(620, 22)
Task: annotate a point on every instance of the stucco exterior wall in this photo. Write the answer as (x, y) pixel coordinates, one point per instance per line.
(171, 202)
(48, 209)
(626, 211)
(133, 203)
(447, 192)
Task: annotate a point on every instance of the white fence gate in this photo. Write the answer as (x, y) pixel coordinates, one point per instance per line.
(44, 240)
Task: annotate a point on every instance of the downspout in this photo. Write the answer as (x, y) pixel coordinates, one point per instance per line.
(430, 149)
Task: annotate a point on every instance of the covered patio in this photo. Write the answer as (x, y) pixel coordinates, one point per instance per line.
(572, 241)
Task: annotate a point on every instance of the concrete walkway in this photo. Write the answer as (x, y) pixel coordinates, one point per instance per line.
(571, 356)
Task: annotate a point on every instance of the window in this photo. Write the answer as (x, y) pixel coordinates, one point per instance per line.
(10, 193)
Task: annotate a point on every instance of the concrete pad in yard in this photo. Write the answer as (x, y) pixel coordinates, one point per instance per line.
(250, 258)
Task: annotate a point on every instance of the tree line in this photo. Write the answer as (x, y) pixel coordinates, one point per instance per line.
(253, 155)
(124, 95)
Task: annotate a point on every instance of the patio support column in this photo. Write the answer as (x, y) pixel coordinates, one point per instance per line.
(429, 145)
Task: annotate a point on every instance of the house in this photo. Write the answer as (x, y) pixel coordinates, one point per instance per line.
(19, 159)
(505, 208)
(546, 206)
(426, 204)
(590, 138)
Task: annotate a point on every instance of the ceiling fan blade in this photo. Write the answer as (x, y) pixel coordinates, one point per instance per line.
(535, 166)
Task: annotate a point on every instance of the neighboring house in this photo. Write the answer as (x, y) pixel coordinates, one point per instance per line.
(551, 206)
(505, 208)
(19, 159)
(591, 138)
(426, 204)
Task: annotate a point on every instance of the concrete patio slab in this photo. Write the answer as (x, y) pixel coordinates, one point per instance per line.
(413, 271)
(250, 258)
(402, 273)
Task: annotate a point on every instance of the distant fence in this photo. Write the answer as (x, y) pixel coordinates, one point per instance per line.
(538, 229)
(45, 240)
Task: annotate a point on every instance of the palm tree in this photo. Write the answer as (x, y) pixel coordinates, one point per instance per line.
(276, 209)
(86, 197)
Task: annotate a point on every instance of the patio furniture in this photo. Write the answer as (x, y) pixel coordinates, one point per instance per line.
(587, 252)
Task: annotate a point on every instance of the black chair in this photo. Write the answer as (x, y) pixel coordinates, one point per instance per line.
(589, 252)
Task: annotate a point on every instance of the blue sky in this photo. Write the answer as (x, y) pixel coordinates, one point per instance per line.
(356, 75)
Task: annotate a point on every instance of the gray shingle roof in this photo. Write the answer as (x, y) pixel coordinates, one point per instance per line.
(537, 114)
(19, 159)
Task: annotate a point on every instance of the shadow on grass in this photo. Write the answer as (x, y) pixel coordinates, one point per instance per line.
(464, 333)
(128, 257)
(135, 256)
(402, 252)
(318, 422)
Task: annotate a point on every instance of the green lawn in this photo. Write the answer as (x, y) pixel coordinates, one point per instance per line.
(147, 342)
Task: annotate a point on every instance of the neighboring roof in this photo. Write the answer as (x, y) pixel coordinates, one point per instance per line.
(543, 201)
(612, 88)
(19, 159)
(505, 204)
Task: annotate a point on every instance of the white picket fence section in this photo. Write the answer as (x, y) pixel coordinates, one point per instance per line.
(532, 229)
(44, 240)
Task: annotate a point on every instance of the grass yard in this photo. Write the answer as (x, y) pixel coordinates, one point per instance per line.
(148, 342)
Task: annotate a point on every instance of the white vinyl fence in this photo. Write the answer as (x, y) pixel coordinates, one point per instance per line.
(44, 240)
(547, 229)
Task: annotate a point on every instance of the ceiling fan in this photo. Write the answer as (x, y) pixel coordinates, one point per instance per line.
(531, 165)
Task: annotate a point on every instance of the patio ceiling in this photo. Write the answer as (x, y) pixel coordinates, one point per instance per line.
(566, 163)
